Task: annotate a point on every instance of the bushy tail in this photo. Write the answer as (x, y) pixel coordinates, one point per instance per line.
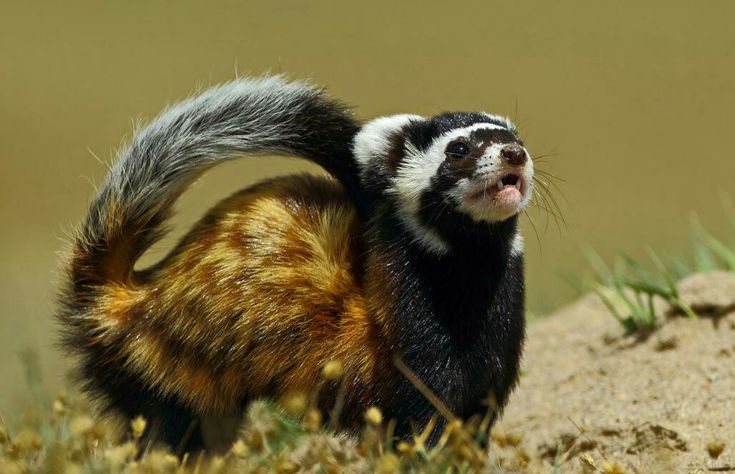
(243, 117)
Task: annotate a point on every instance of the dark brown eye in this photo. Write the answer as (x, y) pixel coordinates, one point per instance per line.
(458, 150)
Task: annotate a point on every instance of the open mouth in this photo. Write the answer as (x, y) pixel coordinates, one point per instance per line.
(508, 186)
(509, 180)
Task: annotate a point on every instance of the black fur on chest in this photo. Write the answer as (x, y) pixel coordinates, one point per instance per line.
(461, 322)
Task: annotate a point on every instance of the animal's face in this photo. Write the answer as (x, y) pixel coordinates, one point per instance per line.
(444, 170)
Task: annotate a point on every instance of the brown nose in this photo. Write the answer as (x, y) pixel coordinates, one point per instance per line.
(514, 155)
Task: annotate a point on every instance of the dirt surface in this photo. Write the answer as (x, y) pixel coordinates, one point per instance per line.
(664, 402)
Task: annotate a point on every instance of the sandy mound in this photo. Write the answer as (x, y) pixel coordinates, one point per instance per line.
(661, 403)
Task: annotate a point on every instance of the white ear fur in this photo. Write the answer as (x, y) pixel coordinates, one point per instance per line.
(373, 140)
(505, 121)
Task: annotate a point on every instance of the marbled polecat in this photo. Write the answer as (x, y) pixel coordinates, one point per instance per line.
(411, 249)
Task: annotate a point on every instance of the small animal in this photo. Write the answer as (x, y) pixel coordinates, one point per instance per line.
(408, 255)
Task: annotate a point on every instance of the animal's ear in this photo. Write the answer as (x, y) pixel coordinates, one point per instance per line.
(503, 122)
(380, 142)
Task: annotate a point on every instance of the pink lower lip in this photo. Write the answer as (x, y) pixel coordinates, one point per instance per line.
(493, 192)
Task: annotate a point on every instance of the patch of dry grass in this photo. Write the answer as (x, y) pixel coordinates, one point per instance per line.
(64, 436)
(68, 438)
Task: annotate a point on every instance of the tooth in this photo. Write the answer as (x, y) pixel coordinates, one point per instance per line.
(500, 184)
(518, 185)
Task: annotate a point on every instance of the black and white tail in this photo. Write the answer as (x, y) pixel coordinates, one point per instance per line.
(243, 117)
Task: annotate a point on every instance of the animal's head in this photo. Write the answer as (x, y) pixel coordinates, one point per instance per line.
(448, 174)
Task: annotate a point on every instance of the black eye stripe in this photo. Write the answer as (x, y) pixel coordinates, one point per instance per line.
(457, 150)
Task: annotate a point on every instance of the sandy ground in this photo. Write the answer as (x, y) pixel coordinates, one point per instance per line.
(664, 402)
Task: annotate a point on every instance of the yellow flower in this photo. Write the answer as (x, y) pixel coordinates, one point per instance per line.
(374, 416)
(138, 426)
(332, 370)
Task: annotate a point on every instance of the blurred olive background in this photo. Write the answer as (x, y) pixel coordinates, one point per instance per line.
(636, 100)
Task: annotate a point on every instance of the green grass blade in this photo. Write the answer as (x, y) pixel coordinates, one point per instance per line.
(661, 267)
(722, 251)
(598, 266)
(677, 267)
(602, 292)
(646, 287)
(729, 207)
(685, 308)
(704, 261)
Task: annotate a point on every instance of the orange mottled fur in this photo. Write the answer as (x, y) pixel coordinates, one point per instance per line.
(260, 295)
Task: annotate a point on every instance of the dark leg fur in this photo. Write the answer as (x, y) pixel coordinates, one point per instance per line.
(168, 422)
(173, 426)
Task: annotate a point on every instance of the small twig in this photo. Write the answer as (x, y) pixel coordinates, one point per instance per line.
(187, 436)
(339, 403)
(425, 391)
(584, 433)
